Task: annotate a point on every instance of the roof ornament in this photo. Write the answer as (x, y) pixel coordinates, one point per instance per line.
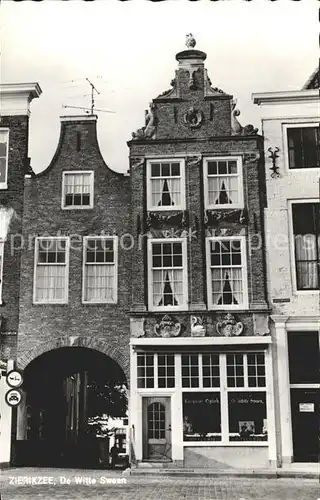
(190, 41)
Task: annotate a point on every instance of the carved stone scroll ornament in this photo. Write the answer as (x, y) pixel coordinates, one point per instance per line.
(190, 41)
(136, 162)
(228, 326)
(137, 327)
(193, 117)
(198, 328)
(249, 158)
(236, 127)
(148, 131)
(157, 220)
(167, 327)
(194, 161)
(212, 217)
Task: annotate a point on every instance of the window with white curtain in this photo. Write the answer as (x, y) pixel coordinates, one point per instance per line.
(77, 189)
(223, 182)
(4, 149)
(100, 270)
(51, 270)
(306, 231)
(226, 272)
(165, 185)
(167, 263)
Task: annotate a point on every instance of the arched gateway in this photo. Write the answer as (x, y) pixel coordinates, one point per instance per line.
(69, 385)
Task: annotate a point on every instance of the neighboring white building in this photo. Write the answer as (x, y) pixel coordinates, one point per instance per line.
(290, 125)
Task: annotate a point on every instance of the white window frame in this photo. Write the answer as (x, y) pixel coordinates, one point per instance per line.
(77, 207)
(239, 161)
(66, 298)
(113, 238)
(1, 267)
(292, 251)
(244, 266)
(296, 124)
(4, 185)
(184, 306)
(182, 205)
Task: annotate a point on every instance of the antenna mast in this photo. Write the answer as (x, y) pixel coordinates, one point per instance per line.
(93, 90)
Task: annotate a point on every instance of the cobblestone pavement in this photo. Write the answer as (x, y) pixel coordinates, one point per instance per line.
(63, 485)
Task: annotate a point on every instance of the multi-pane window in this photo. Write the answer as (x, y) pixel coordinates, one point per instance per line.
(166, 370)
(156, 421)
(223, 183)
(190, 370)
(166, 185)
(51, 270)
(100, 270)
(227, 284)
(145, 367)
(155, 370)
(4, 149)
(304, 146)
(306, 231)
(77, 189)
(200, 370)
(235, 370)
(256, 370)
(210, 370)
(167, 274)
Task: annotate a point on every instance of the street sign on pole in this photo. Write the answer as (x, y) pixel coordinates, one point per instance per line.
(13, 397)
(14, 378)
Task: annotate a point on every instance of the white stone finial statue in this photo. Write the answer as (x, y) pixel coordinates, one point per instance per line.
(190, 41)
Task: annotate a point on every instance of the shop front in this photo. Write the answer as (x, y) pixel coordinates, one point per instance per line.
(203, 402)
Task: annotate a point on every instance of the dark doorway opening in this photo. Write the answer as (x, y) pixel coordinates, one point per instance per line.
(70, 394)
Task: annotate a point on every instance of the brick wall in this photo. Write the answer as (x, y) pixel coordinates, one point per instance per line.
(44, 216)
(12, 197)
(174, 137)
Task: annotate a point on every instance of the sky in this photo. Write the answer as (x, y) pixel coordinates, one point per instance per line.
(127, 50)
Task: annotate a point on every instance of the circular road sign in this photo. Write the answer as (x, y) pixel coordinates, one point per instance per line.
(13, 397)
(14, 378)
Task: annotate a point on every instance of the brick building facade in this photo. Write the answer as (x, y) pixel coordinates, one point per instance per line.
(15, 102)
(75, 293)
(201, 362)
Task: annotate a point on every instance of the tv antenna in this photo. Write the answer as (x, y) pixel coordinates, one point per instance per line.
(92, 108)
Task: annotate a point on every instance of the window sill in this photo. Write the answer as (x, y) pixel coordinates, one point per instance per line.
(166, 209)
(3, 186)
(224, 207)
(78, 208)
(308, 292)
(65, 303)
(168, 309)
(98, 303)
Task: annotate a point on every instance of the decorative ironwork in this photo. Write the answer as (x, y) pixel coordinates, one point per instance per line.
(273, 156)
(167, 327)
(228, 326)
(213, 217)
